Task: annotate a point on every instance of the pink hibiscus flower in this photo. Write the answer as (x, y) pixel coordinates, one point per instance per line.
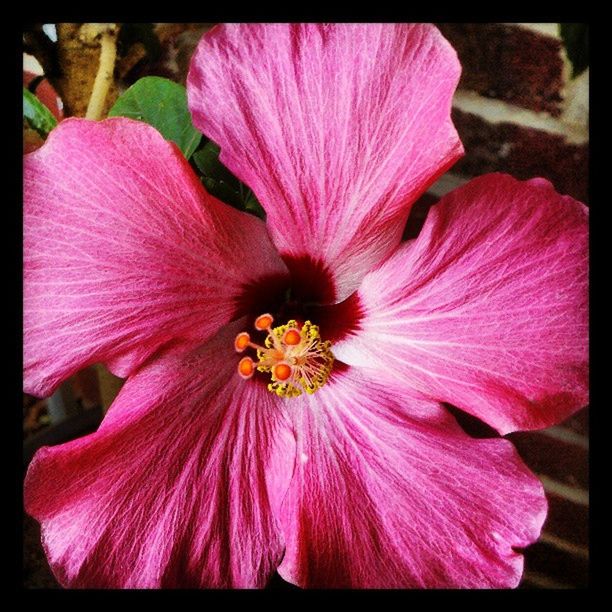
(199, 476)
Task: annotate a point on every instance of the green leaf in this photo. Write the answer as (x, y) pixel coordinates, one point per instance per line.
(252, 205)
(37, 115)
(207, 162)
(163, 104)
(576, 40)
(221, 183)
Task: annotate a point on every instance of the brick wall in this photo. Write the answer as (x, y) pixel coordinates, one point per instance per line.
(518, 110)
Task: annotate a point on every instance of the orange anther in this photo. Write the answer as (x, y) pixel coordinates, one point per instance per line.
(292, 336)
(263, 322)
(282, 371)
(242, 341)
(246, 367)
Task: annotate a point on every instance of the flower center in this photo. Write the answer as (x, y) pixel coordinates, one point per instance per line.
(296, 357)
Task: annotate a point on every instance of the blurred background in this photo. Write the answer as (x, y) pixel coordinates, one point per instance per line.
(521, 108)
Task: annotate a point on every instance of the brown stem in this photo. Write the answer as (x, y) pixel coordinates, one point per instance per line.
(79, 49)
(104, 77)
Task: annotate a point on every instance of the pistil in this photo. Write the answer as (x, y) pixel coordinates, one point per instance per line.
(295, 356)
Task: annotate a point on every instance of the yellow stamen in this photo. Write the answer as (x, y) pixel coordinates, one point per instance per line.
(296, 358)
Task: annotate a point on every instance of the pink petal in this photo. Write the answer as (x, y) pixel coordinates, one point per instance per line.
(336, 128)
(175, 488)
(487, 309)
(124, 251)
(389, 492)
